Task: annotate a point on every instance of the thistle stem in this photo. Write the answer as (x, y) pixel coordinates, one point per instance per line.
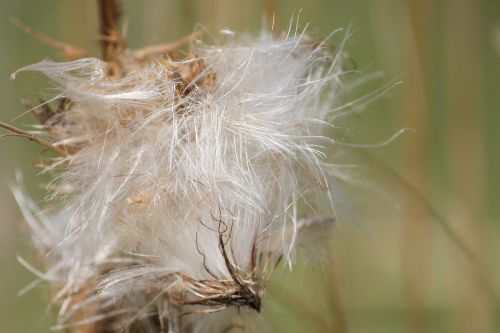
(112, 40)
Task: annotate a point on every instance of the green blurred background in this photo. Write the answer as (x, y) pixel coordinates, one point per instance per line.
(405, 269)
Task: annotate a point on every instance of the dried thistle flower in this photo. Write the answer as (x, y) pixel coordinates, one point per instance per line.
(179, 180)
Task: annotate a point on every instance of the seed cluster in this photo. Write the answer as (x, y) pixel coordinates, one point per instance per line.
(182, 182)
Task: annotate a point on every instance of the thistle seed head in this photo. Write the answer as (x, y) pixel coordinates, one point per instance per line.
(179, 187)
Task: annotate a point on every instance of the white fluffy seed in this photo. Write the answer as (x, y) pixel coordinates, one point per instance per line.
(159, 178)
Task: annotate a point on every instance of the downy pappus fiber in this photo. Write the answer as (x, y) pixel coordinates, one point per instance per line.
(178, 190)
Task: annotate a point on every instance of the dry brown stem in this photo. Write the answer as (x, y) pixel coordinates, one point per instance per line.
(24, 134)
(69, 51)
(152, 50)
(112, 40)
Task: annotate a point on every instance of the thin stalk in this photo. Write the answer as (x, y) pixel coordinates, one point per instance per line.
(24, 134)
(112, 40)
